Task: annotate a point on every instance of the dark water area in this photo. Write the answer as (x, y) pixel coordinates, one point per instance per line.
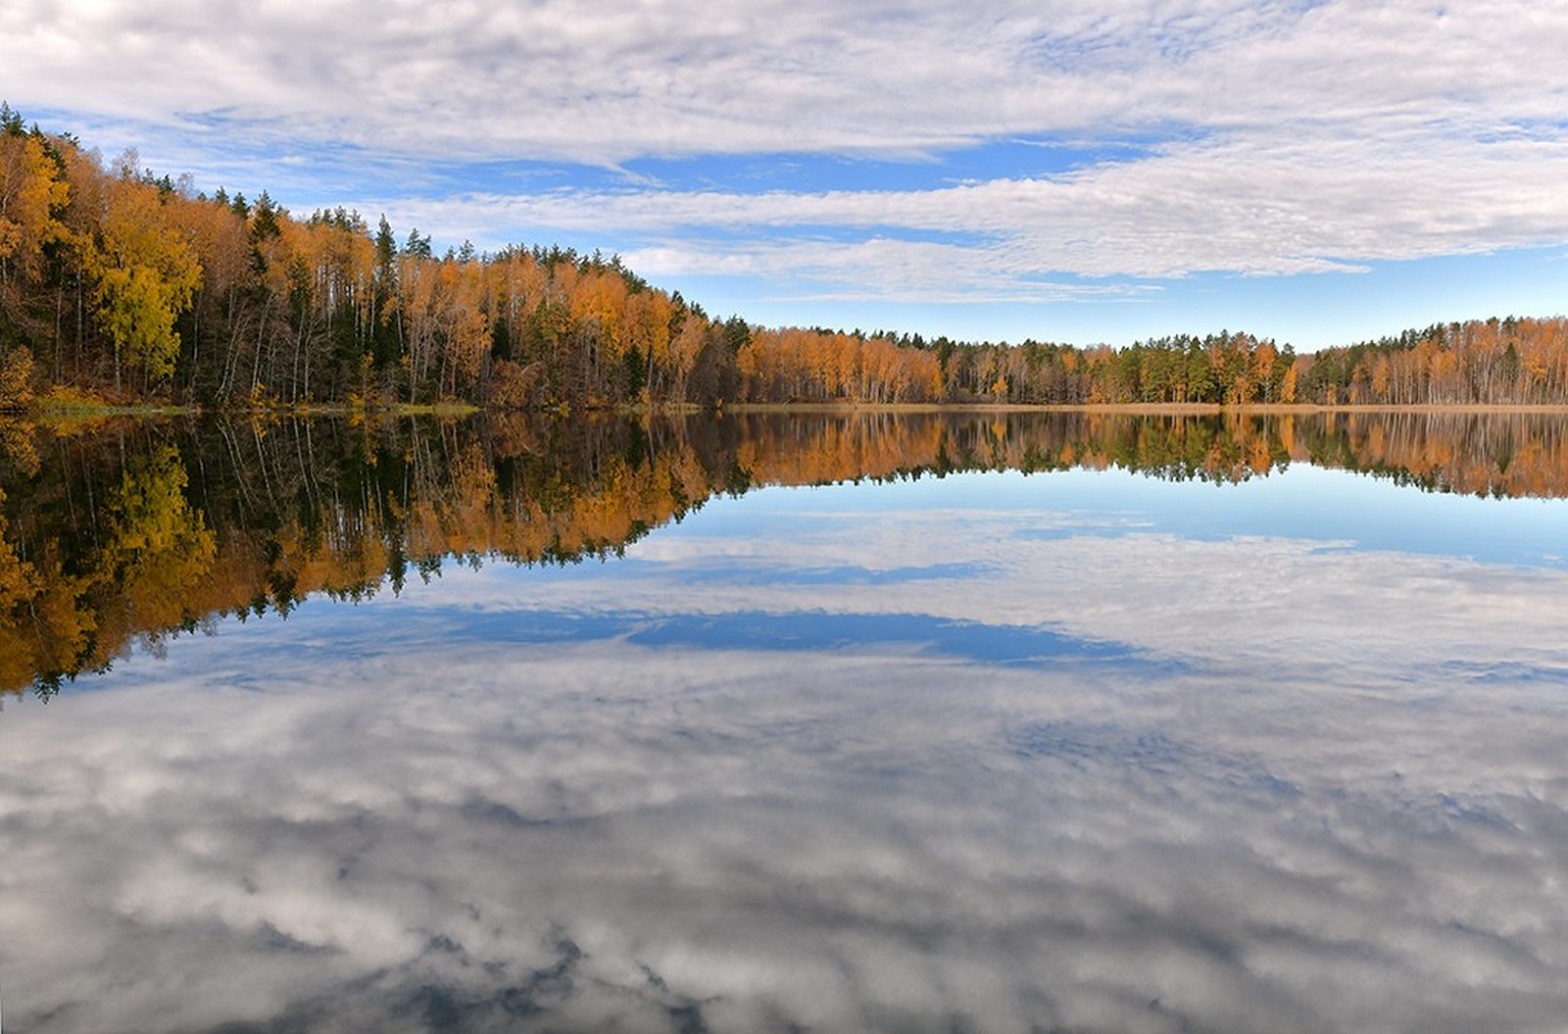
(990, 722)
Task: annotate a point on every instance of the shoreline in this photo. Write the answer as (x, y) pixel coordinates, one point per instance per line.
(1138, 408)
(88, 413)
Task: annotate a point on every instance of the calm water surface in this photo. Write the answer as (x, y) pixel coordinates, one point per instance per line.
(1247, 742)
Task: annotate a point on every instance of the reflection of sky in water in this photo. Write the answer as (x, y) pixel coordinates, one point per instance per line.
(1299, 502)
(1075, 752)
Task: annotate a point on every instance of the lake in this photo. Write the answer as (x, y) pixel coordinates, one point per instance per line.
(968, 722)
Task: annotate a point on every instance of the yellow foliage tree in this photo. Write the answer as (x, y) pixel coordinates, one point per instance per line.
(30, 192)
(144, 276)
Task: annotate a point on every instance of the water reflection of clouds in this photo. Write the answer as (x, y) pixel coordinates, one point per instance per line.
(1302, 502)
(612, 800)
(806, 630)
(1253, 597)
(842, 574)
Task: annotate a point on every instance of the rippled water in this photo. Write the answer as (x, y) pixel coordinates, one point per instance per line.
(1077, 750)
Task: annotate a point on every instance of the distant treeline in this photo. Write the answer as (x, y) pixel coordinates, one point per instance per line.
(122, 285)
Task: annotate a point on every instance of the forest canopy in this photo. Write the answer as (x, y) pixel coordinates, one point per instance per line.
(120, 285)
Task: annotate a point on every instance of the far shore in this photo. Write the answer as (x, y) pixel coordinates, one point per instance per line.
(1133, 408)
(89, 412)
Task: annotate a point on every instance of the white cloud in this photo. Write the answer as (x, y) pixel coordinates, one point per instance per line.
(1248, 206)
(1281, 138)
(590, 83)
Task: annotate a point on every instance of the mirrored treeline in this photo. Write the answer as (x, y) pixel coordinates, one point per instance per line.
(136, 531)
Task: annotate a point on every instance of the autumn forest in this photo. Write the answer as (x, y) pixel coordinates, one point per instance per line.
(120, 286)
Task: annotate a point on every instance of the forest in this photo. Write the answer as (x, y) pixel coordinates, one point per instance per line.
(120, 286)
(133, 531)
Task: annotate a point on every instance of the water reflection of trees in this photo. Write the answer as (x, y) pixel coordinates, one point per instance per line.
(138, 531)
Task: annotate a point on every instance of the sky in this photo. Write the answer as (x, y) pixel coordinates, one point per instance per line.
(1080, 171)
